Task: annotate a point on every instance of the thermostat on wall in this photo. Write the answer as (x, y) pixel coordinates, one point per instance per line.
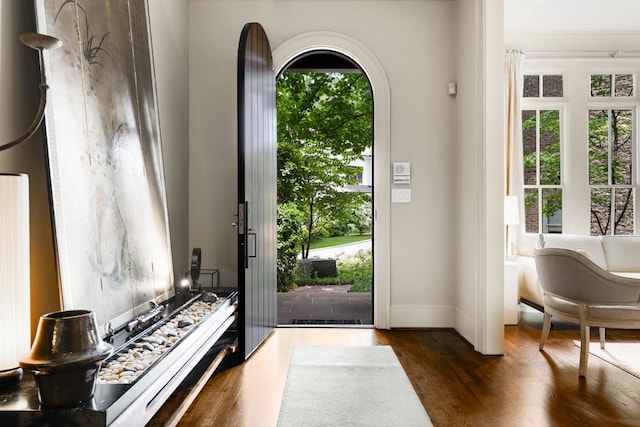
(402, 173)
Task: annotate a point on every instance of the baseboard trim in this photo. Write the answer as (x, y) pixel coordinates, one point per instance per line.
(466, 326)
(421, 316)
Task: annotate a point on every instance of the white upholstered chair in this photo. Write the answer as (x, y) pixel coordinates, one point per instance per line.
(577, 290)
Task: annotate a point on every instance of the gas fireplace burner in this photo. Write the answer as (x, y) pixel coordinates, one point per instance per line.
(132, 360)
(154, 355)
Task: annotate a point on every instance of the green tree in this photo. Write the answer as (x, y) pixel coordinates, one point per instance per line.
(549, 158)
(324, 124)
(289, 241)
(618, 123)
(604, 130)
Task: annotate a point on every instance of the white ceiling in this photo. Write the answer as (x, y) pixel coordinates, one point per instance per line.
(571, 15)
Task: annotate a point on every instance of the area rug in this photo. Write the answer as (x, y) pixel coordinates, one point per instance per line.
(623, 355)
(349, 386)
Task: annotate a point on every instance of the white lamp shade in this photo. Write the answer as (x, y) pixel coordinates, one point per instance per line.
(15, 322)
(511, 216)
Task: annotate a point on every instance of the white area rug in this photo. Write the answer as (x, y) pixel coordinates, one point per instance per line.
(349, 386)
(624, 355)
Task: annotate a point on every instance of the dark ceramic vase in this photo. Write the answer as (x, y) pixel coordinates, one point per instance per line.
(10, 379)
(65, 357)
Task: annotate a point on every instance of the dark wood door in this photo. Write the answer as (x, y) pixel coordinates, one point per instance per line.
(256, 189)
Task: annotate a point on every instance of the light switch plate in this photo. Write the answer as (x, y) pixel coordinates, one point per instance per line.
(400, 195)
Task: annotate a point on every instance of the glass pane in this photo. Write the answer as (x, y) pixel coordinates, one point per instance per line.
(624, 211)
(601, 85)
(531, 86)
(552, 86)
(552, 210)
(529, 146)
(624, 85)
(600, 211)
(621, 143)
(531, 210)
(550, 147)
(598, 147)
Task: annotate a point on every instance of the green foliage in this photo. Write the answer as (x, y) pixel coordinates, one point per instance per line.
(549, 158)
(324, 124)
(289, 241)
(606, 128)
(356, 270)
(599, 85)
(610, 138)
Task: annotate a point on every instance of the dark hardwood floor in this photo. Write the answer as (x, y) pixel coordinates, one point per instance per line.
(458, 386)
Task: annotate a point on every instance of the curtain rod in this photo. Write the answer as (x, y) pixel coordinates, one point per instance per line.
(580, 53)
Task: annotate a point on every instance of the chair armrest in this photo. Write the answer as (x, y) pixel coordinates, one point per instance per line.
(567, 274)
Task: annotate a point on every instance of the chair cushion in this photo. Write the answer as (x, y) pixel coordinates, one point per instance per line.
(592, 245)
(528, 285)
(526, 244)
(568, 308)
(627, 316)
(632, 275)
(623, 253)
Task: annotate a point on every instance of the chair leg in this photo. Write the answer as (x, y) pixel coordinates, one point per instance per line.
(584, 349)
(602, 339)
(584, 340)
(546, 326)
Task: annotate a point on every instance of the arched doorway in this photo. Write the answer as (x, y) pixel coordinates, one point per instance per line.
(350, 48)
(325, 207)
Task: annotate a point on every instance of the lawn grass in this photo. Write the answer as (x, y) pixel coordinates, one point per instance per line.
(340, 240)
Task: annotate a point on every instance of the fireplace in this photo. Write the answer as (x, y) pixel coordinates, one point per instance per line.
(133, 399)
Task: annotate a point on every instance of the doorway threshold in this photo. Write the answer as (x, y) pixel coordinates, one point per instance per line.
(334, 326)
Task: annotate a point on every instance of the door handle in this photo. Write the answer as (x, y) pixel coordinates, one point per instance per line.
(255, 244)
(243, 236)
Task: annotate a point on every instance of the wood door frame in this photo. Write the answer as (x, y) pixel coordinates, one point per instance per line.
(336, 42)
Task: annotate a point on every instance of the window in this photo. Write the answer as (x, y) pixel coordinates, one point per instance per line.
(542, 170)
(551, 86)
(616, 85)
(611, 155)
(579, 131)
(541, 136)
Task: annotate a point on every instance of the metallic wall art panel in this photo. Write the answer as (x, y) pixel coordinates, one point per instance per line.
(105, 158)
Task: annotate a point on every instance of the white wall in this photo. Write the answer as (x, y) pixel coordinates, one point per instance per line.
(479, 175)
(19, 97)
(169, 21)
(413, 41)
(492, 160)
(467, 238)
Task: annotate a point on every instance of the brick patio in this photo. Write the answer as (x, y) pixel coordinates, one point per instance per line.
(325, 305)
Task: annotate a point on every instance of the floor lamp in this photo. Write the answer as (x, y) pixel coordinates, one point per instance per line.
(15, 318)
(511, 219)
(15, 327)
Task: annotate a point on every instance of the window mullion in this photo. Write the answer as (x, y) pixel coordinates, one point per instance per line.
(610, 147)
(634, 168)
(538, 180)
